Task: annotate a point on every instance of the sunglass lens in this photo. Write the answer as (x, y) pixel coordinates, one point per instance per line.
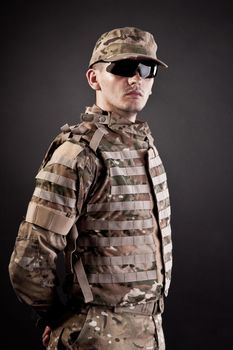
(128, 68)
(144, 70)
(147, 69)
(124, 68)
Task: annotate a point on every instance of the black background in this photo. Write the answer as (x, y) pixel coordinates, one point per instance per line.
(46, 46)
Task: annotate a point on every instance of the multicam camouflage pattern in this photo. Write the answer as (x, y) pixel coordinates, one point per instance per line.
(116, 189)
(122, 43)
(105, 329)
(58, 202)
(118, 234)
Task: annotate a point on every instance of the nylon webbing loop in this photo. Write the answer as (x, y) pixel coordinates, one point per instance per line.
(127, 171)
(77, 267)
(124, 154)
(114, 206)
(104, 278)
(149, 309)
(130, 189)
(65, 128)
(118, 225)
(83, 281)
(159, 179)
(71, 247)
(154, 161)
(119, 260)
(150, 140)
(57, 179)
(115, 241)
(54, 197)
(142, 309)
(97, 137)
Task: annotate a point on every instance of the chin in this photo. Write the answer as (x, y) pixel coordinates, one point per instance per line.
(135, 109)
(134, 106)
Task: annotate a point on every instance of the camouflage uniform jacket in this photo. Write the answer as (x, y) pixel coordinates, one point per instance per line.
(106, 176)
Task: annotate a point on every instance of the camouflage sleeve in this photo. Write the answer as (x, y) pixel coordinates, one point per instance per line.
(62, 187)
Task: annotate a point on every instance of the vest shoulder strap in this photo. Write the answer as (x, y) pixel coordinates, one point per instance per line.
(92, 134)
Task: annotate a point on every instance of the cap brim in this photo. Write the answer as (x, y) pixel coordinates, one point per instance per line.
(124, 56)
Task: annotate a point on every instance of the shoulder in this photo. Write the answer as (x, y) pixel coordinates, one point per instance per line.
(71, 147)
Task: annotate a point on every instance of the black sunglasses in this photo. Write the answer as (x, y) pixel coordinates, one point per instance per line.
(128, 68)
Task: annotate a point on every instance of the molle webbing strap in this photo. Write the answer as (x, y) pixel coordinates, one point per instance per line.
(152, 150)
(56, 179)
(164, 213)
(122, 277)
(157, 180)
(166, 231)
(91, 241)
(77, 267)
(130, 189)
(150, 140)
(119, 260)
(167, 285)
(168, 265)
(49, 219)
(120, 206)
(148, 309)
(167, 248)
(124, 154)
(83, 281)
(156, 161)
(127, 171)
(54, 197)
(70, 248)
(162, 195)
(117, 225)
(97, 137)
(151, 154)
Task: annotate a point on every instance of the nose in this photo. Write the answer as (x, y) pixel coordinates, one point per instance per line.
(136, 78)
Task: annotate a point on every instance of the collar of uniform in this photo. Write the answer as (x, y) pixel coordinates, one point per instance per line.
(114, 121)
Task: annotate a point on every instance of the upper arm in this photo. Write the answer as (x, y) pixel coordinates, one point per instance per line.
(62, 187)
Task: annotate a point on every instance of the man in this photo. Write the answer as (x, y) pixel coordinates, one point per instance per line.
(101, 197)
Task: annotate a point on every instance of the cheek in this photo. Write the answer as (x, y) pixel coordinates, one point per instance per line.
(108, 87)
(113, 90)
(150, 83)
(110, 92)
(148, 88)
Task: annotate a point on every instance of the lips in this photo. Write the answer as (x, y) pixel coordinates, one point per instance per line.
(134, 93)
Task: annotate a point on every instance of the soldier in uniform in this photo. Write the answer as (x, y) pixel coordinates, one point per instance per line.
(101, 198)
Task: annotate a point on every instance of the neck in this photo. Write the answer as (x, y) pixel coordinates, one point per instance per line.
(128, 116)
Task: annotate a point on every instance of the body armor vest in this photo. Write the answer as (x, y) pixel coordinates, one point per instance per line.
(116, 241)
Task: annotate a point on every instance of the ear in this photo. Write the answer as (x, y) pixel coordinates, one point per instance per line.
(92, 79)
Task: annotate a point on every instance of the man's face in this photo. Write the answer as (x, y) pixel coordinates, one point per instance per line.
(121, 94)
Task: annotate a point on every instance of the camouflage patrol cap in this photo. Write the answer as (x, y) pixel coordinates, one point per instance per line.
(123, 43)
